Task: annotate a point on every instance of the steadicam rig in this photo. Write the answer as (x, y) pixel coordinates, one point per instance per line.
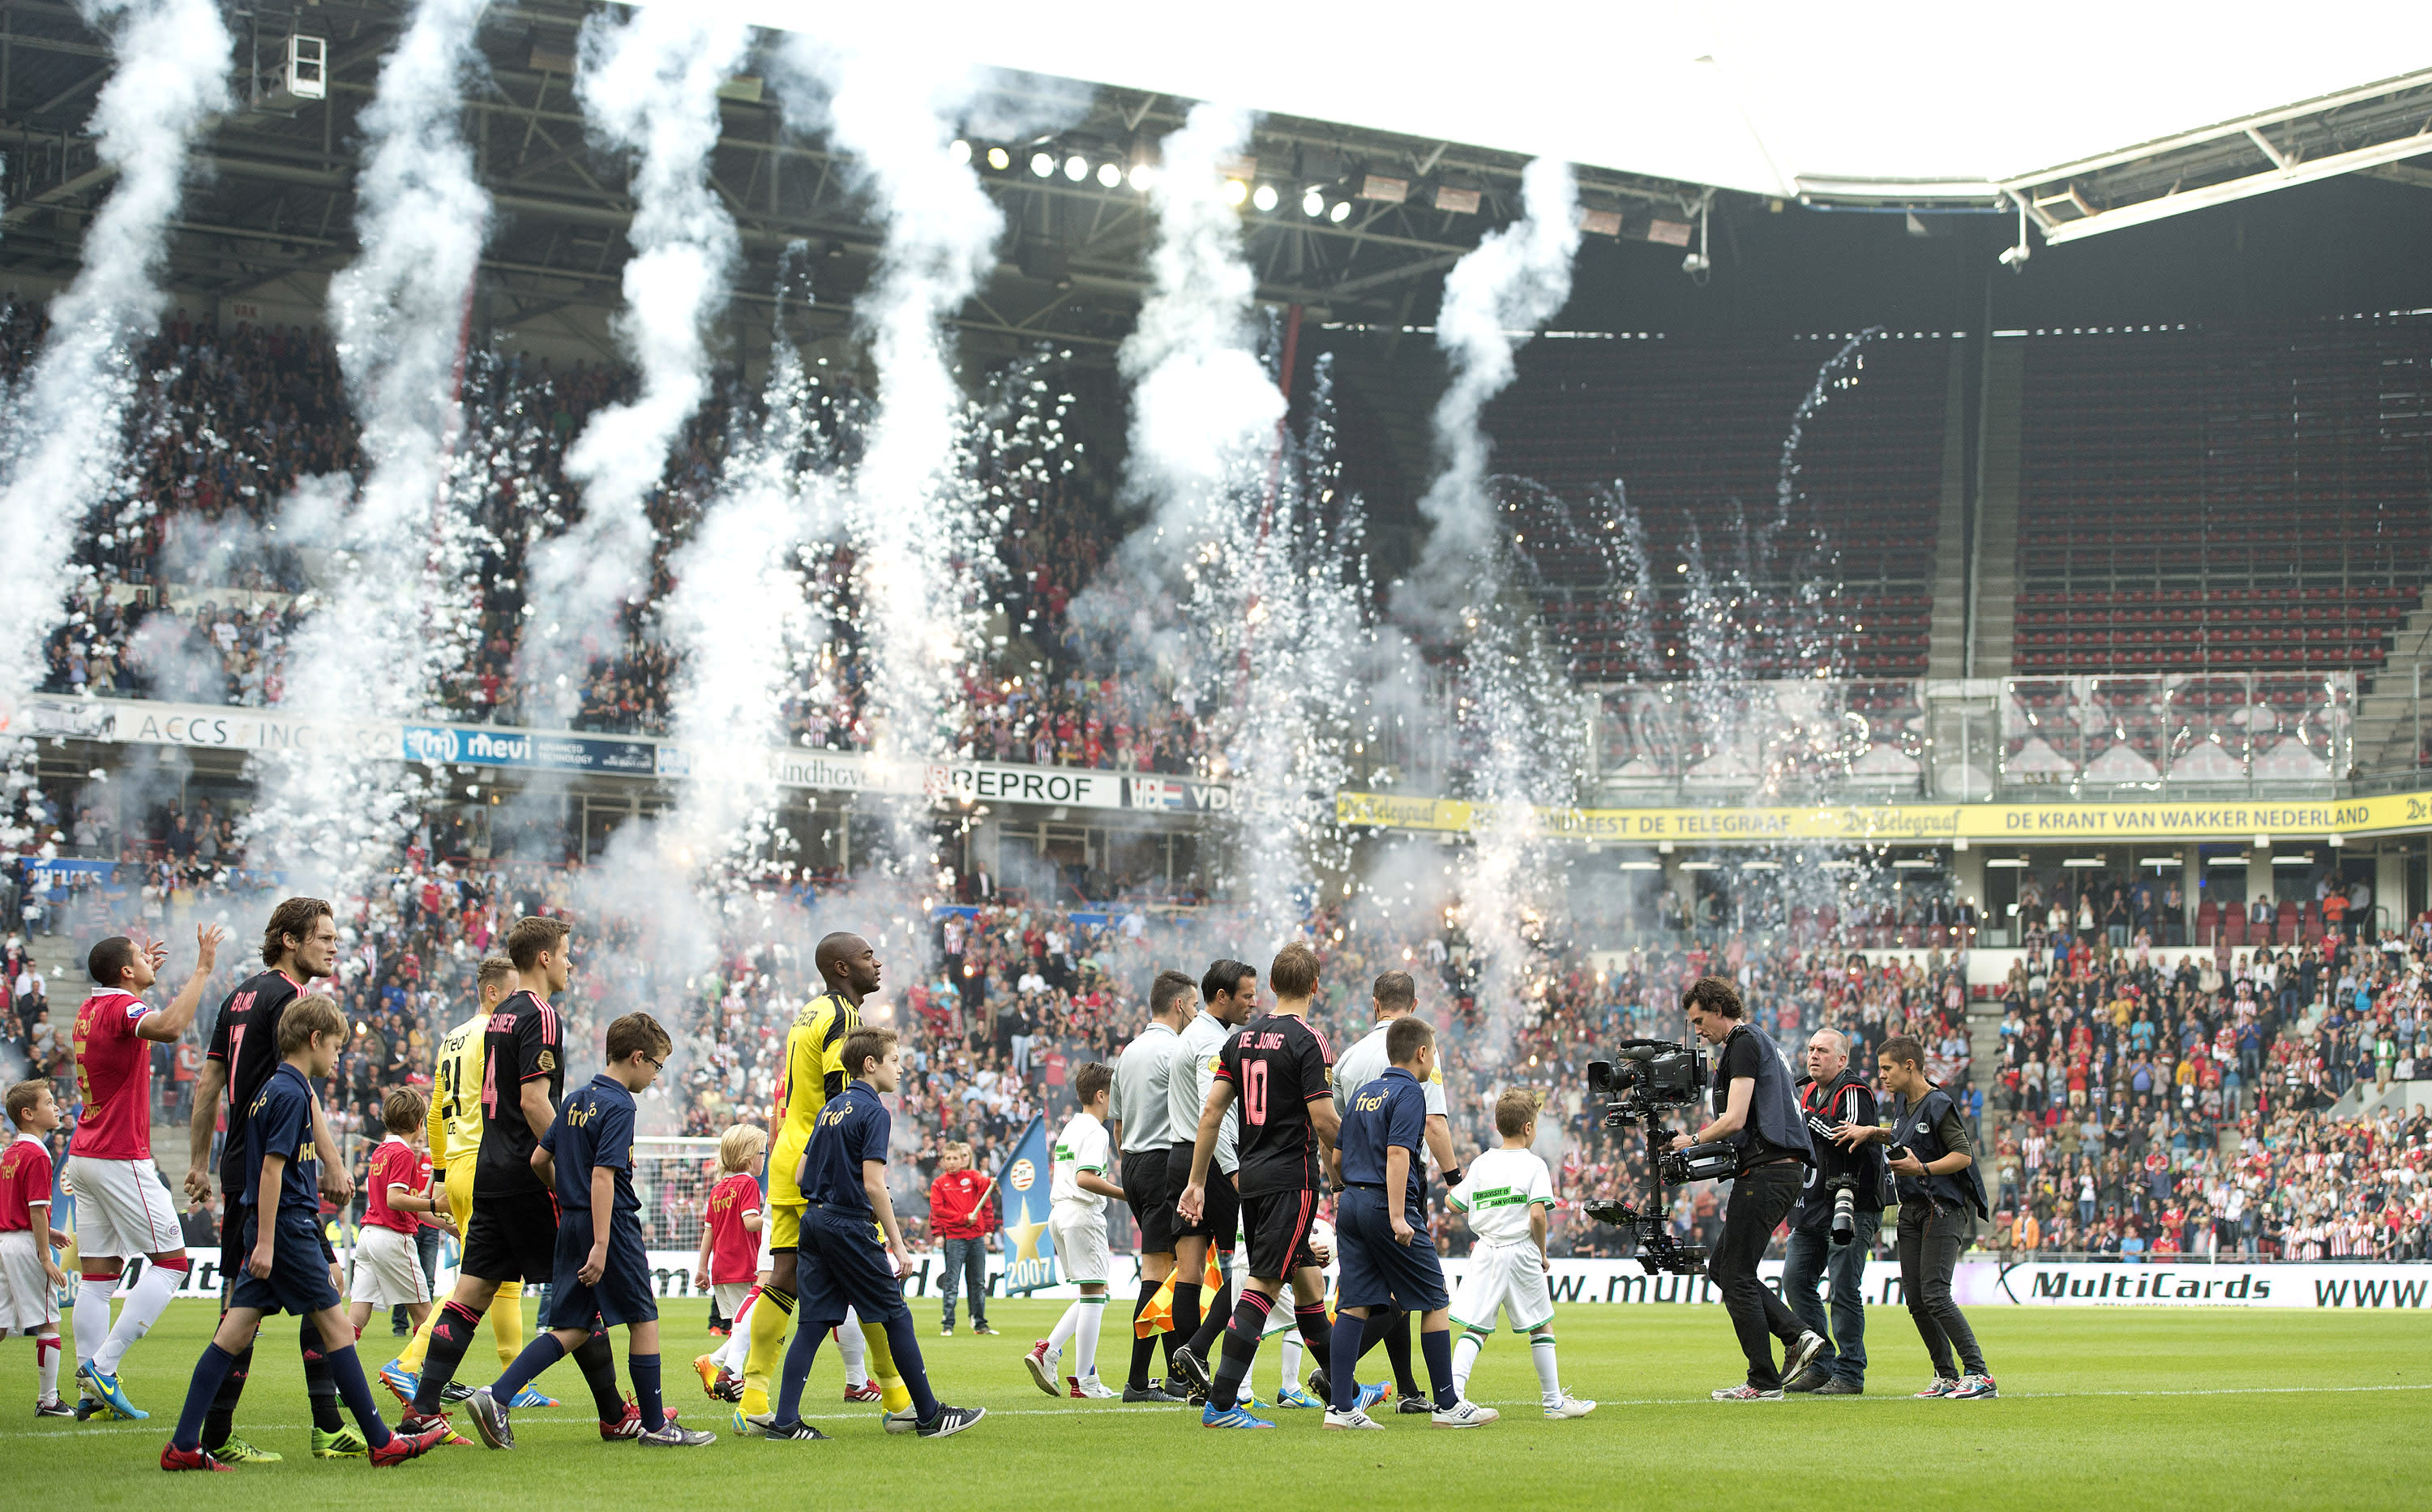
(1648, 1080)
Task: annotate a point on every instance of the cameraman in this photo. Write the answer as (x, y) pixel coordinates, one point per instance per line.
(1938, 1185)
(1758, 1112)
(1831, 1095)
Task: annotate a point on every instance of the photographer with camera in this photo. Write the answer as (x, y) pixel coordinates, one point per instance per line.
(1938, 1188)
(1758, 1112)
(1834, 1226)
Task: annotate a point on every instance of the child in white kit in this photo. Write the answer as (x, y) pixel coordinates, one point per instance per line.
(1076, 1222)
(1507, 1193)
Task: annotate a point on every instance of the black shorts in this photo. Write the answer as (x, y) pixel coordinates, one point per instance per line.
(514, 1237)
(622, 1293)
(1219, 1220)
(1378, 1272)
(299, 1273)
(844, 1262)
(1151, 1199)
(1277, 1227)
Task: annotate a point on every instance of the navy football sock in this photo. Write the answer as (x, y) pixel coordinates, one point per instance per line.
(597, 1363)
(220, 1420)
(645, 1372)
(346, 1373)
(787, 1407)
(210, 1373)
(904, 1342)
(1343, 1370)
(542, 1353)
(319, 1385)
(1437, 1346)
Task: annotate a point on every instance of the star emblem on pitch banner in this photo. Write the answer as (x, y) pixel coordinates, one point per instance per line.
(1026, 1238)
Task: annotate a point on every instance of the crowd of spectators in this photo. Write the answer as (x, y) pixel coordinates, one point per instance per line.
(2139, 1105)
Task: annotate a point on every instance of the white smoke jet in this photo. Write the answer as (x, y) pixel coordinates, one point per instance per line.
(890, 102)
(746, 619)
(1519, 710)
(62, 446)
(1204, 410)
(1516, 278)
(649, 86)
(393, 616)
(1243, 532)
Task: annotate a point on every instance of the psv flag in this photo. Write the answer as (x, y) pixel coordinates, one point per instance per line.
(1024, 1186)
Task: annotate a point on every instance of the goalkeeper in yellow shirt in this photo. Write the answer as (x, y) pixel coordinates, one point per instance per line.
(456, 1142)
(814, 1072)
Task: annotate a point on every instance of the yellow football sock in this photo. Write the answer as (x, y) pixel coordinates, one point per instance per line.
(894, 1395)
(411, 1356)
(769, 1316)
(507, 1320)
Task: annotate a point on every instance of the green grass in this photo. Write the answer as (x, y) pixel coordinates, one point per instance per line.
(2193, 1408)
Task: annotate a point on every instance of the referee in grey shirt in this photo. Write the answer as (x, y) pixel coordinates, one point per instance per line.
(1141, 1126)
(1396, 997)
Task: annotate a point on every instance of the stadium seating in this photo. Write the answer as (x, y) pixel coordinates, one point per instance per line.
(1692, 435)
(2239, 498)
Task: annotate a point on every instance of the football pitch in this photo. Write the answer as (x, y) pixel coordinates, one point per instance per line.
(2190, 1407)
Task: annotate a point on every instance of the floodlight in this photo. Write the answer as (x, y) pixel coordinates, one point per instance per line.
(959, 151)
(1264, 197)
(1236, 191)
(1312, 204)
(1076, 167)
(1042, 164)
(999, 158)
(1340, 212)
(1109, 174)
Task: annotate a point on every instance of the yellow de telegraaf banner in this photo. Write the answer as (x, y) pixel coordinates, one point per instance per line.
(1924, 823)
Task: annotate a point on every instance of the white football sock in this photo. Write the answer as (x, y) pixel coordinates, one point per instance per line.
(1550, 1380)
(1064, 1328)
(1093, 1312)
(1291, 1360)
(47, 1360)
(93, 1314)
(737, 1346)
(145, 1305)
(856, 1346)
(1464, 1360)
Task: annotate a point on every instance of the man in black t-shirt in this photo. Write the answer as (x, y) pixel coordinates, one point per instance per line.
(1756, 1109)
(513, 1231)
(299, 944)
(1276, 1067)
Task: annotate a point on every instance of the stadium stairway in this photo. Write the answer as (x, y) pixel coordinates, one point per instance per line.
(1994, 617)
(1983, 1058)
(1947, 647)
(2385, 715)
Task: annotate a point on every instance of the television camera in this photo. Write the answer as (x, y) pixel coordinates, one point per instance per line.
(1643, 1084)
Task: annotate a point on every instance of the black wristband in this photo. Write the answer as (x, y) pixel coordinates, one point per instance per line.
(1452, 1178)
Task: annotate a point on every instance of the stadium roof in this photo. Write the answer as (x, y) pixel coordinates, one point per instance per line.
(1749, 96)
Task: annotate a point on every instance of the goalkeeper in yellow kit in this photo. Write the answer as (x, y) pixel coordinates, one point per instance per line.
(814, 1072)
(456, 1142)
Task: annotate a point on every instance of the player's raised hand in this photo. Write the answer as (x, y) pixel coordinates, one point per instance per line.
(157, 953)
(206, 948)
(1192, 1203)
